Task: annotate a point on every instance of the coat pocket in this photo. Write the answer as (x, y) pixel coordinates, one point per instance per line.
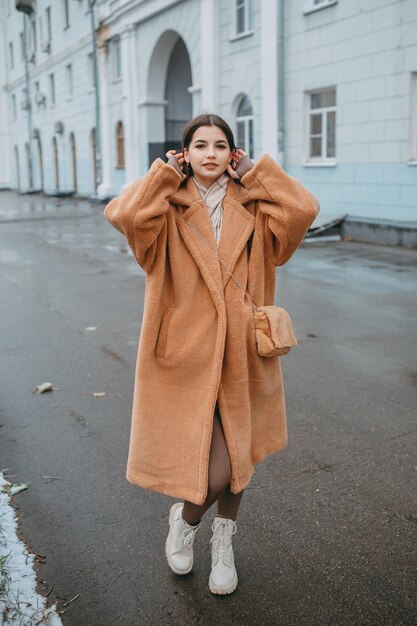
(161, 343)
(182, 330)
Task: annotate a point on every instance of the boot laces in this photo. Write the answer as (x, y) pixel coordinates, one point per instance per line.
(222, 539)
(186, 538)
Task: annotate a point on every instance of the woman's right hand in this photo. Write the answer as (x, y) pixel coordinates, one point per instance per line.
(176, 159)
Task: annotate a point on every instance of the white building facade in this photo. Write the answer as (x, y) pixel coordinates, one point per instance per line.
(327, 87)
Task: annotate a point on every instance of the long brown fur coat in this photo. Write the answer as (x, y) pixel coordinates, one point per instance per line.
(197, 342)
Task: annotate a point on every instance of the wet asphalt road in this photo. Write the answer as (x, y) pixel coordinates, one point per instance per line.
(327, 529)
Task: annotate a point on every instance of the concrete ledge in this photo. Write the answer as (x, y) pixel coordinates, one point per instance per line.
(390, 232)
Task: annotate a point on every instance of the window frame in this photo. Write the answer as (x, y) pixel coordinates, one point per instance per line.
(69, 80)
(48, 14)
(311, 7)
(14, 107)
(323, 159)
(413, 119)
(66, 14)
(249, 125)
(120, 146)
(248, 18)
(116, 58)
(11, 55)
(52, 93)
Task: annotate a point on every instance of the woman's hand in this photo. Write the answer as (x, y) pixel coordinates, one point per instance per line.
(237, 155)
(176, 159)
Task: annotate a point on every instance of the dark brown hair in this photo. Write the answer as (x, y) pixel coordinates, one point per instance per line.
(207, 119)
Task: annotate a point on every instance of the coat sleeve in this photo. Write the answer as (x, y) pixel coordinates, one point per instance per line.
(139, 213)
(289, 208)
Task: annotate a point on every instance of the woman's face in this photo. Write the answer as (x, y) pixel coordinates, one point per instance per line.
(208, 153)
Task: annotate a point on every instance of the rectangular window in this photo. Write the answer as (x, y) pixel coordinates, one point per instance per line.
(69, 80)
(52, 88)
(14, 107)
(22, 47)
(40, 30)
(32, 37)
(117, 59)
(90, 71)
(48, 23)
(413, 119)
(243, 16)
(322, 125)
(66, 13)
(11, 55)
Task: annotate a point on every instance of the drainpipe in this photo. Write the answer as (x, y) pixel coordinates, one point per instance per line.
(280, 95)
(97, 94)
(27, 9)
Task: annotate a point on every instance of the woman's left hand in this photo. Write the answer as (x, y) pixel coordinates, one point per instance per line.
(236, 156)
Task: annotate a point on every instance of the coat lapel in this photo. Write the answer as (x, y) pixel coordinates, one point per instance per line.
(195, 224)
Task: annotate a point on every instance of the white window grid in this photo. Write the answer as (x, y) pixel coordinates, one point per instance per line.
(322, 113)
(243, 17)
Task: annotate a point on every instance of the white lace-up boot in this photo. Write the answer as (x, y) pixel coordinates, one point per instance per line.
(179, 543)
(223, 577)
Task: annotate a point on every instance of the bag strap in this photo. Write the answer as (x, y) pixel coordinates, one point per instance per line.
(246, 293)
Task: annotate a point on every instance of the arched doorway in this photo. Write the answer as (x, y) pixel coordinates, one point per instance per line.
(16, 156)
(73, 161)
(39, 169)
(56, 162)
(29, 166)
(179, 108)
(93, 141)
(169, 102)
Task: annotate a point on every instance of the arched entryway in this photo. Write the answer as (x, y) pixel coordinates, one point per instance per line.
(169, 102)
(73, 161)
(37, 160)
(56, 162)
(29, 166)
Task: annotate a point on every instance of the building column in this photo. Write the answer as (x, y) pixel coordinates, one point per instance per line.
(208, 38)
(105, 188)
(129, 104)
(269, 78)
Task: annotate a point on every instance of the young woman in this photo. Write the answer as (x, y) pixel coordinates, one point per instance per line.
(206, 406)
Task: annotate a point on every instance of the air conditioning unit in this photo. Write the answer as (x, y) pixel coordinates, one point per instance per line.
(46, 46)
(24, 104)
(40, 97)
(35, 133)
(26, 6)
(59, 127)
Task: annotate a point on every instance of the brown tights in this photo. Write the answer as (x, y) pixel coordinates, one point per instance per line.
(218, 481)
